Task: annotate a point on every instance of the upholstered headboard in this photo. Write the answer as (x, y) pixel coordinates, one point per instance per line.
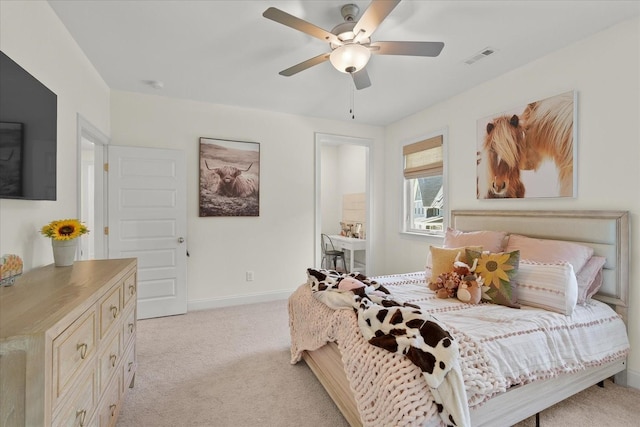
(607, 232)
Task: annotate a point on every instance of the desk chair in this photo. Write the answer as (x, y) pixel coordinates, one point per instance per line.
(331, 254)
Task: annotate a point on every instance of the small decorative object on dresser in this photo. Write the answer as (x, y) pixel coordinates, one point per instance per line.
(10, 269)
(64, 234)
(67, 344)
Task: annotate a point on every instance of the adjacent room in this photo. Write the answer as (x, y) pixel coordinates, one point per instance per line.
(319, 213)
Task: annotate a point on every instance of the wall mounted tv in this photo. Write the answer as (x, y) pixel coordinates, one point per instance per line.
(28, 130)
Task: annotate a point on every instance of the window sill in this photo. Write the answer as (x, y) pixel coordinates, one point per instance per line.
(434, 235)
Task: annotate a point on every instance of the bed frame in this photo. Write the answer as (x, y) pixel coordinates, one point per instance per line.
(607, 232)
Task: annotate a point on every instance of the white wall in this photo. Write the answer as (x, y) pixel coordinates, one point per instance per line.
(278, 245)
(344, 171)
(330, 195)
(352, 168)
(32, 35)
(604, 70)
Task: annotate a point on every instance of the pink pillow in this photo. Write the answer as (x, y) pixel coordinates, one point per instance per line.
(543, 250)
(492, 241)
(590, 278)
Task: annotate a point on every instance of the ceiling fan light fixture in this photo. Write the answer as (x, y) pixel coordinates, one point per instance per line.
(350, 58)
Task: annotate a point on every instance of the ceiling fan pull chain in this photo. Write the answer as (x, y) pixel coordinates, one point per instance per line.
(352, 110)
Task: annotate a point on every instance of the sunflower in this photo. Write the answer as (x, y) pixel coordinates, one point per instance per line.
(64, 229)
(494, 267)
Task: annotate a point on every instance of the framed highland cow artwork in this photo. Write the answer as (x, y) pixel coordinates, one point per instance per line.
(229, 178)
(529, 151)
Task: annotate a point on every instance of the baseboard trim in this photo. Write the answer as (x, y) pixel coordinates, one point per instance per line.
(206, 304)
(633, 379)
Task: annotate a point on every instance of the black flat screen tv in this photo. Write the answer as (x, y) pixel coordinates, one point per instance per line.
(28, 135)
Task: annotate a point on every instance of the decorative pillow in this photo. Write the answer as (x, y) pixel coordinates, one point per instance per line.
(590, 278)
(498, 270)
(492, 241)
(543, 250)
(551, 286)
(442, 258)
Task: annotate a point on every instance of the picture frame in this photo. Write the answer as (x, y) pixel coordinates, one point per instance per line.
(229, 178)
(529, 151)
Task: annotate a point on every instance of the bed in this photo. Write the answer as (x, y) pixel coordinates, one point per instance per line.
(322, 337)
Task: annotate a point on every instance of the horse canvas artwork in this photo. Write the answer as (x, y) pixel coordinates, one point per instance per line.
(528, 151)
(229, 178)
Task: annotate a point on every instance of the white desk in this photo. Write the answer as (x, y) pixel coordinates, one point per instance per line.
(349, 244)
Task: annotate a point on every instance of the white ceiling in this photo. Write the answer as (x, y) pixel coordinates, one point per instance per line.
(225, 52)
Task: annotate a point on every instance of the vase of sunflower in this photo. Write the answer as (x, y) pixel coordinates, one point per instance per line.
(64, 235)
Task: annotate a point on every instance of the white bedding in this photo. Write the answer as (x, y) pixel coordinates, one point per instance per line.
(528, 343)
(500, 347)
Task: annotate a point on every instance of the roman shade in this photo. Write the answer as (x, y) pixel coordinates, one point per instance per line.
(423, 159)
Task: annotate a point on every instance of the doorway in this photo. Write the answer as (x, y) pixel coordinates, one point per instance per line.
(343, 174)
(92, 146)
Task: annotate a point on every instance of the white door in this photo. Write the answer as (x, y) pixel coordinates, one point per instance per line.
(148, 220)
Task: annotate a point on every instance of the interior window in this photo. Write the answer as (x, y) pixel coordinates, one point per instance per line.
(424, 186)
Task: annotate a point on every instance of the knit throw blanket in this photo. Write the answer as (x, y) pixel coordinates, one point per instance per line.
(400, 328)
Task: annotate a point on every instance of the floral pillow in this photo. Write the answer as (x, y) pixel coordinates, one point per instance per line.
(498, 270)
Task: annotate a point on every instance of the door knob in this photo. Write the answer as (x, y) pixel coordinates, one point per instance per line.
(180, 239)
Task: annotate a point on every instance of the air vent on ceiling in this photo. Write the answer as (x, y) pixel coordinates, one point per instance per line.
(480, 55)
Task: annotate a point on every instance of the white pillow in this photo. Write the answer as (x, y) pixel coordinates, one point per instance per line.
(551, 286)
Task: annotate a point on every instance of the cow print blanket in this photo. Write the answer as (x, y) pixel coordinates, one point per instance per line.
(400, 328)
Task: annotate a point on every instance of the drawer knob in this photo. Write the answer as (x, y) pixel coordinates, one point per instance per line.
(81, 414)
(114, 311)
(83, 350)
(130, 366)
(113, 358)
(113, 410)
(130, 328)
(132, 290)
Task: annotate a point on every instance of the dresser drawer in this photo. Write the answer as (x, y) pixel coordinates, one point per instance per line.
(129, 367)
(128, 327)
(109, 406)
(72, 350)
(129, 290)
(109, 360)
(110, 308)
(79, 409)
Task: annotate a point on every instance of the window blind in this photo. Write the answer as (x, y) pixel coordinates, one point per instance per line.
(423, 159)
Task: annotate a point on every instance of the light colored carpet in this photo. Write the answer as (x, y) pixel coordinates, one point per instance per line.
(230, 367)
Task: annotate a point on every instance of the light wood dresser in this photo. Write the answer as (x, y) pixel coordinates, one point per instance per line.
(67, 344)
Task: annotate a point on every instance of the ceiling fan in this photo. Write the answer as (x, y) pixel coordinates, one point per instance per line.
(350, 41)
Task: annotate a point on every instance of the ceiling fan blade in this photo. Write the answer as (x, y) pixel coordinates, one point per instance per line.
(361, 79)
(372, 17)
(407, 48)
(284, 18)
(304, 65)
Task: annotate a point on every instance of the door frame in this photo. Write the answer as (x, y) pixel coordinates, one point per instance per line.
(86, 130)
(325, 139)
